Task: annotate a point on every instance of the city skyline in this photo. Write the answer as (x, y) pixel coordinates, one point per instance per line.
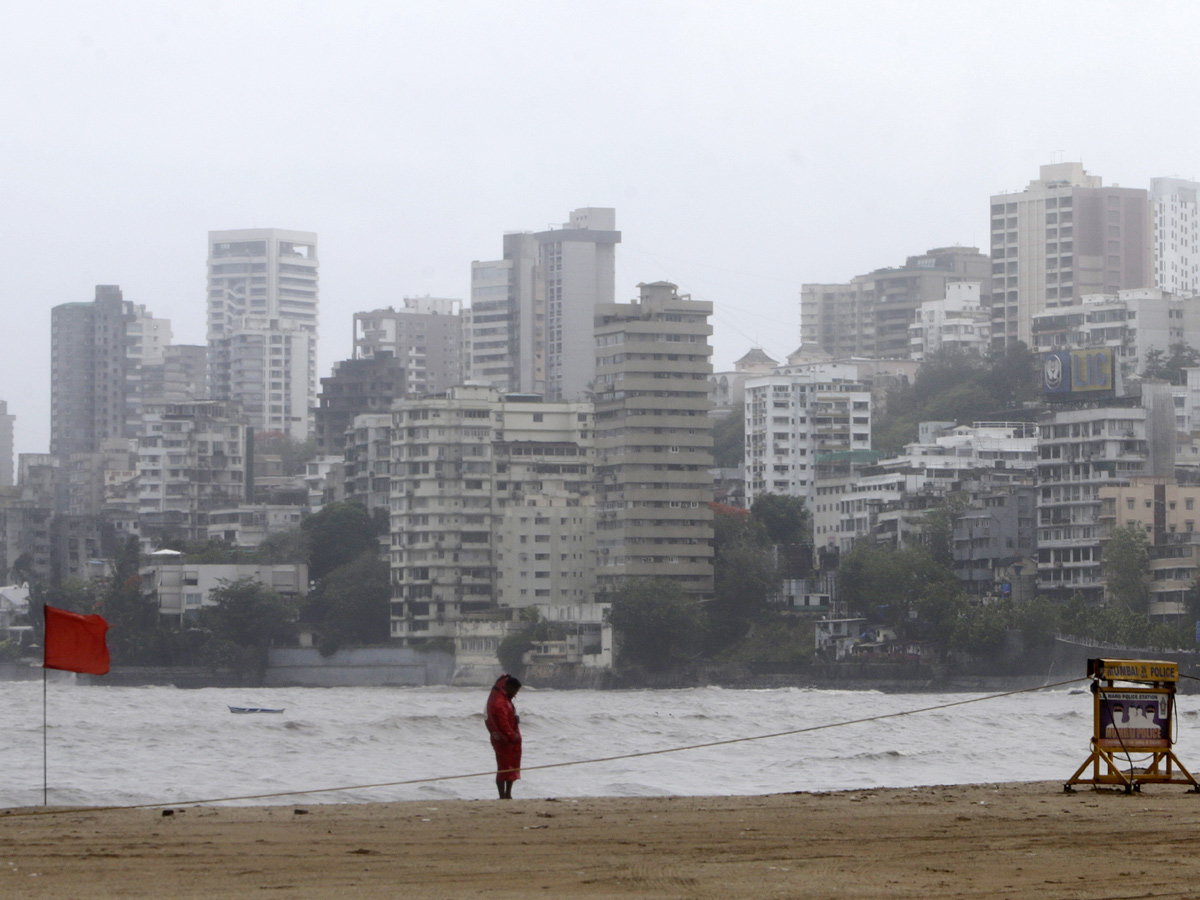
(744, 154)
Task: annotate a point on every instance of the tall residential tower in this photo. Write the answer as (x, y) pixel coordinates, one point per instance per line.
(97, 351)
(1064, 237)
(654, 440)
(262, 326)
(529, 328)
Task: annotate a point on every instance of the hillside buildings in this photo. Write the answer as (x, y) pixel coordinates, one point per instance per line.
(492, 508)
(654, 440)
(1167, 513)
(958, 323)
(1082, 449)
(180, 375)
(504, 331)
(1133, 323)
(791, 419)
(871, 315)
(859, 496)
(183, 588)
(262, 326)
(97, 351)
(368, 461)
(362, 386)
(425, 335)
(1064, 237)
(191, 460)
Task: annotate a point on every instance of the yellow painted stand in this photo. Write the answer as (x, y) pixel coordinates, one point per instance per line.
(1135, 716)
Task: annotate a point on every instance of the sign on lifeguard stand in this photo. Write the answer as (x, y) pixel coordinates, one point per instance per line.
(1133, 717)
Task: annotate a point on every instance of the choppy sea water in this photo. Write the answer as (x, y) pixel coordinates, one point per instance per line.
(116, 746)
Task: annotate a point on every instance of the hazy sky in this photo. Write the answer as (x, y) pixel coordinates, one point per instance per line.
(747, 147)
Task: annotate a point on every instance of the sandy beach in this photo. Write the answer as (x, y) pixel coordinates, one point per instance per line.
(1006, 840)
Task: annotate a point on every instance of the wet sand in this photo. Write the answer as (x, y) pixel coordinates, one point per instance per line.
(1010, 840)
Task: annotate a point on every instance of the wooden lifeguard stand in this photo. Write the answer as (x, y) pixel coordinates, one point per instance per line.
(1136, 716)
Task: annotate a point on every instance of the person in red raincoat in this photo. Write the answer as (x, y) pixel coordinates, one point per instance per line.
(504, 726)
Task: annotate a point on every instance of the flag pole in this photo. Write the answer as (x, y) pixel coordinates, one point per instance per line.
(45, 767)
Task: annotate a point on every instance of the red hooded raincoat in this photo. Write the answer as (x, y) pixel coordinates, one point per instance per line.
(503, 726)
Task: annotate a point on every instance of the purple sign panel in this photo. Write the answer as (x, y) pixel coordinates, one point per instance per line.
(1135, 719)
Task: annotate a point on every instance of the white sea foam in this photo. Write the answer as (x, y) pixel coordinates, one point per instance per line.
(112, 745)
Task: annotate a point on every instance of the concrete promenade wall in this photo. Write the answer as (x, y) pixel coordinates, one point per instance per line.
(375, 666)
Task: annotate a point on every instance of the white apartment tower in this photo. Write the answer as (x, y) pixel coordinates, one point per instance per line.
(792, 419)
(491, 507)
(1063, 237)
(1173, 205)
(504, 341)
(531, 318)
(262, 326)
(958, 323)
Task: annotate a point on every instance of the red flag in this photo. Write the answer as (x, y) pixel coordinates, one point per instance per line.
(75, 643)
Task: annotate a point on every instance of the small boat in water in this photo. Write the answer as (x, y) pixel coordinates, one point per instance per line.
(242, 710)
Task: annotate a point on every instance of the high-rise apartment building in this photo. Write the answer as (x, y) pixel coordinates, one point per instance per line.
(7, 421)
(871, 315)
(356, 387)
(1083, 449)
(97, 351)
(192, 458)
(367, 456)
(425, 334)
(262, 326)
(654, 440)
(1176, 215)
(180, 375)
(1063, 237)
(1134, 323)
(579, 267)
(959, 323)
(504, 343)
(490, 493)
(791, 419)
(531, 317)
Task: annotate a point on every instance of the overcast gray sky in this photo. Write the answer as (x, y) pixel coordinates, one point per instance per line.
(747, 147)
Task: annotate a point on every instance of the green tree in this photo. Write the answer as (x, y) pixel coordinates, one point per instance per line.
(23, 571)
(352, 604)
(1014, 374)
(135, 634)
(729, 438)
(655, 624)
(953, 386)
(1126, 561)
(745, 578)
(1170, 367)
(247, 618)
(883, 584)
(939, 527)
(1038, 621)
(982, 630)
(783, 519)
(283, 547)
(337, 535)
